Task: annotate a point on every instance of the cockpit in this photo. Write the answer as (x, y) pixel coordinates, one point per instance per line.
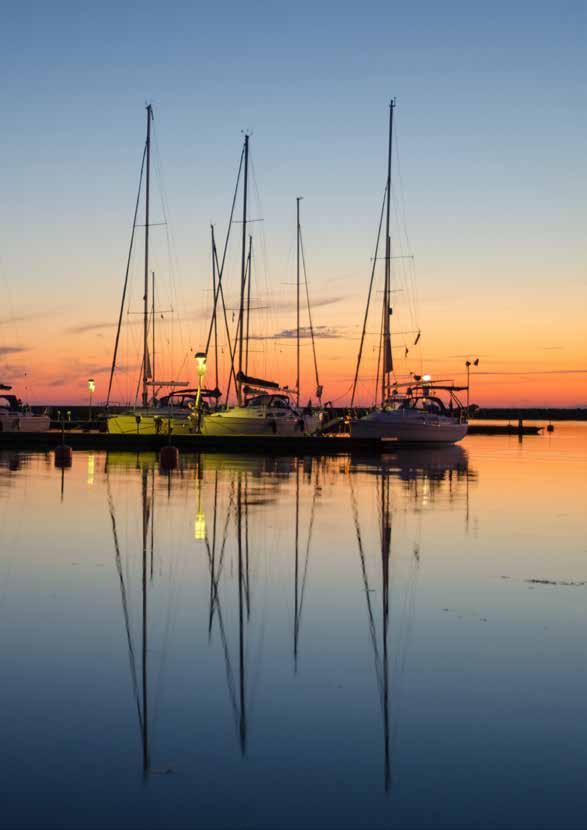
(433, 406)
(269, 401)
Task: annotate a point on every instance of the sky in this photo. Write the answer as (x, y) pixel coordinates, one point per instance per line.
(489, 182)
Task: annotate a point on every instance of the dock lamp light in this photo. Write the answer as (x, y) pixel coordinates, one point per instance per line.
(468, 364)
(426, 378)
(201, 367)
(91, 387)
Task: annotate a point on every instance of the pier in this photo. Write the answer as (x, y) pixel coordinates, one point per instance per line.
(335, 444)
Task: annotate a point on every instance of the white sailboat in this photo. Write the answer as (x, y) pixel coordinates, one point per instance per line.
(418, 414)
(263, 406)
(18, 417)
(156, 415)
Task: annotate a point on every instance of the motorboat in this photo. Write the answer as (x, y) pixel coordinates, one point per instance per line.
(18, 417)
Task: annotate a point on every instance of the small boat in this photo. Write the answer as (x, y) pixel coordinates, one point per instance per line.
(418, 415)
(18, 417)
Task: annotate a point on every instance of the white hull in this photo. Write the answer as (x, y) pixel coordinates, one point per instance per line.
(395, 426)
(23, 422)
(244, 420)
(236, 421)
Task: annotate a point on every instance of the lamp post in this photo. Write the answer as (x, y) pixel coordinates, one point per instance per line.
(91, 387)
(201, 366)
(468, 364)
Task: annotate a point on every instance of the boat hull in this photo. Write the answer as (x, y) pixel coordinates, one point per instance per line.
(244, 421)
(22, 422)
(139, 424)
(393, 427)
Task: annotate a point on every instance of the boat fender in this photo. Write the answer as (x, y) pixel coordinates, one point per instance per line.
(168, 458)
(63, 456)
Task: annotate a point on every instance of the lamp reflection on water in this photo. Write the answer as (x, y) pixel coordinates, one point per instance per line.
(91, 466)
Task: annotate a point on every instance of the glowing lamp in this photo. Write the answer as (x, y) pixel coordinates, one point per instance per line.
(91, 384)
(201, 363)
(426, 378)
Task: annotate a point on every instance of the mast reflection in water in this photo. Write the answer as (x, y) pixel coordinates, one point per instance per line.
(279, 642)
(248, 514)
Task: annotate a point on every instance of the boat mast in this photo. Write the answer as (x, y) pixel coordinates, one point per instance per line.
(249, 278)
(298, 200)
(243, 268)
(146, 295)
(153, 375)
(214, 320)
(387, 355)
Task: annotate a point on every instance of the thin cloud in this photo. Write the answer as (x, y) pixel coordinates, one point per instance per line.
(89, 327)
(320, 333)
(31, 315)
(12, 350)
(290, 305)
(538, 372)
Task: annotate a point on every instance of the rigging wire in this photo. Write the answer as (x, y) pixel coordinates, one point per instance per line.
(369, 301)
(128, 262)
(318, 389)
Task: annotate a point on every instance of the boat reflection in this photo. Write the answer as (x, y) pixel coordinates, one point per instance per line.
(252, 514)
(140, 691)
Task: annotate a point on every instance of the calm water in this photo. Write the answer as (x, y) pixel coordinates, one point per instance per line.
(326, 643)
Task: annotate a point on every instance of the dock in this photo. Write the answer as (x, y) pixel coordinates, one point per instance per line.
(334, 444)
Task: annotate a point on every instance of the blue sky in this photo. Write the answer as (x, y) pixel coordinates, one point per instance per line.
(491, 132)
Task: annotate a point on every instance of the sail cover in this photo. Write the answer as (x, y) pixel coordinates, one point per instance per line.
(259, 382)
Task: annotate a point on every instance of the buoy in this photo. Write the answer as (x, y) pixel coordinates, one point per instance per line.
(168, 458)
(63, 456)
(550, 428)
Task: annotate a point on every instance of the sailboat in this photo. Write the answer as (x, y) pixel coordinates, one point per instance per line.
(415, 412)
(18, 417)
(263, 406)
(172, 411)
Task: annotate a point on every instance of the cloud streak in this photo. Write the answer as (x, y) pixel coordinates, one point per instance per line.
(320, 333)
(12, 350)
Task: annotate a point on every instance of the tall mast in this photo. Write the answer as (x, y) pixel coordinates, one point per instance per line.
(243, 266)
(248, 311)
(153, 375)
(215, 322)
(387, 355)
(298, 200)
(146, 296)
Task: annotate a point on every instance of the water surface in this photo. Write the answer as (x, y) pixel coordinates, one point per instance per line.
(258, 643)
